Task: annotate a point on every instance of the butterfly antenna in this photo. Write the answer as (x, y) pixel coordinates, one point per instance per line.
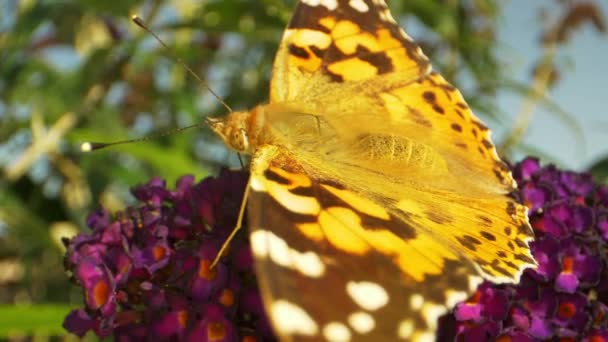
(137, 20)
(93, 146)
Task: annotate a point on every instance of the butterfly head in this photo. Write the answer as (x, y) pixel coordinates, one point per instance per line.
(240, 130)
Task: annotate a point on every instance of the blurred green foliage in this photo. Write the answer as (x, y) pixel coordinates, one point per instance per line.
(74, 71)
(36, 320)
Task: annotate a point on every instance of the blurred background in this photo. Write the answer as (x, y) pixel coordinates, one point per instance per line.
(74, 71)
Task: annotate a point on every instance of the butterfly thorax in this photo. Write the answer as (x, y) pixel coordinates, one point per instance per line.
(242, 131)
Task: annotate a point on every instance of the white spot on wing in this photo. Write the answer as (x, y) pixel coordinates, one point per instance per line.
(336, 332)
(265, 243)
(370, 296)
(256, 184)
(386, 16)
(308, 263)
(405, 35)
(359, 5)
(416, 301)
(292, 319)
(297, 204)
(431, 313)
(329, 4)
(474, 281)
(425, 337)
(259, 243)
(361, 322)
(455, 297)
(405, 329)
(278, 250)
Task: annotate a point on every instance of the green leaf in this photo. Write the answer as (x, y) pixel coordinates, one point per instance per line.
(41, 319)
(599, 170)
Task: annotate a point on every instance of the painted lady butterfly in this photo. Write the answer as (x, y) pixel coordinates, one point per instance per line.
(376, 199)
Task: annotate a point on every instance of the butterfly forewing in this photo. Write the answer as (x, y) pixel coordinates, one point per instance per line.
(339, 41)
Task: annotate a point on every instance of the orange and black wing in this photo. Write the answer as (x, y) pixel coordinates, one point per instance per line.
(338, 41)
(335, 266)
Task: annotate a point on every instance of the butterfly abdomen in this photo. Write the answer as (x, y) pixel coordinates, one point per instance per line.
(401, 151)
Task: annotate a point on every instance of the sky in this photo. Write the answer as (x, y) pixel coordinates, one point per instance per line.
(582, 91)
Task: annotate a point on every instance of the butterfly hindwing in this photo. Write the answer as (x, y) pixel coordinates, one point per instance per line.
(334, 264)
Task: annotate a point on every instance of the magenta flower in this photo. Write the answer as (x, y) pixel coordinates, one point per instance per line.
(146, 271)
(565, 298)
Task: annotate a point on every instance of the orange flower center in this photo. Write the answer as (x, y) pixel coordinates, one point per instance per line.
(101, 293)
(566, 310)
(568, 264)
(216, 331)
(205, 271)
(227, 298)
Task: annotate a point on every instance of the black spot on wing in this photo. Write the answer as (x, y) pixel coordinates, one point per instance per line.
(487, 144)
(275, 177)
(317, 51)
(469, 242)
(462, 105)
(334, 77)
(439, 218)
(307, 17)
(524, 229)
(521, 243)
(298, 51)
(419, 118)
(525, 258)
(495, 266)
(429, 97)
(484, 221)
(378, 59)
(488, 236)
(305, 191)
(499, 175)
(511, 208)
(437, 108)
(456, 127)
(480, 126)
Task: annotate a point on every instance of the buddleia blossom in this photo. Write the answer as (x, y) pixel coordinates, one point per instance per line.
(145, 272)
(565, 297)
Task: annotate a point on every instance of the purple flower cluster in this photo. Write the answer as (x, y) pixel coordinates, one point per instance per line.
(146, 271)
(566, 297)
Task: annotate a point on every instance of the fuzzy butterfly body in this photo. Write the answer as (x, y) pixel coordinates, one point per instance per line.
(377, 200)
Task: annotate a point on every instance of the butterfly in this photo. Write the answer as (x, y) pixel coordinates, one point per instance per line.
(376, 199)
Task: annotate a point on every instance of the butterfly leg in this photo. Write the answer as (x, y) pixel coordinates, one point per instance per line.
(240, 160)
(237, 227)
